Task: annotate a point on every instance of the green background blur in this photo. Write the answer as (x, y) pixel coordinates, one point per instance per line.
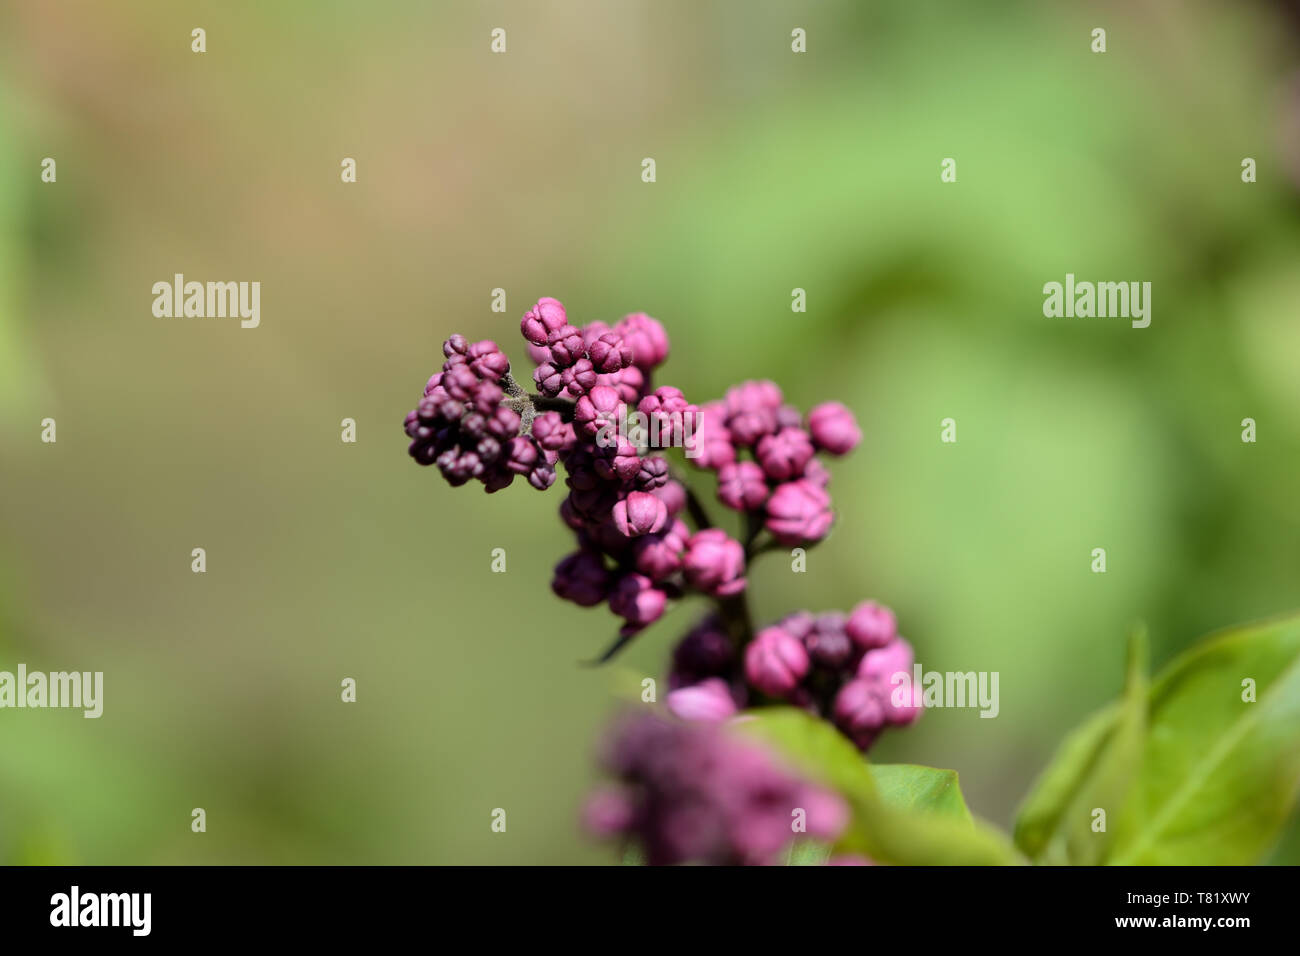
(522, 171)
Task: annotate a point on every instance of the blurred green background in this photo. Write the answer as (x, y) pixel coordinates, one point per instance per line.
(522, 171)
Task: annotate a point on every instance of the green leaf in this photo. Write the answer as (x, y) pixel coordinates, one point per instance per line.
(911, 787)
(884, 832)
(1220, 774)
(1094, 770)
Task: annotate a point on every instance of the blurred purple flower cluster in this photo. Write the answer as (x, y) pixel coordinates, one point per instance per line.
(689, 791)
(833, 665)
(694, 793)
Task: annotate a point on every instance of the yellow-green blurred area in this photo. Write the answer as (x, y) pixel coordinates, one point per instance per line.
(522, 171)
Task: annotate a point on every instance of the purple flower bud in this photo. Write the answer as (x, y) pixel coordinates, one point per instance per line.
(798, 512)
(497, 479)
(523, 454)
(798, 624)
(617, 460)
(817, 473)
(669, 416)
(607, 813)
(601, 408)
(594, 330)
(872, 625)
(542, 476)
(827, 644)
(486, 397)
(566, 346)
(652, 472)
(784, 454)
(859, 711)
(581, 577)
(742, 486)
(711, 445)
(787, 416)
(609, 353)
(459, 382)
(550, 381)
(834, 428)
(637, 600)
(503, 423)
(432, 383)
(487, 361)
(456, 345)
(659, 555)
(714, 563)
(639, 513)
(552, 432)
(775, 662)
(709, 701)
(541, 319)
(629, 383)
(537, 354)
(751, 411)
(673, 495)
(880, 665)
(579, 378)
(646, 338)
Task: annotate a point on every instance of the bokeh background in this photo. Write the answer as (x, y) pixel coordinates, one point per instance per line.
(522, 171)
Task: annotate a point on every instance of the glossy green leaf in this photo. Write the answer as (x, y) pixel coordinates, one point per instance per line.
(913, 787)
(1070, 813)
(1220, 772)
(877, 829)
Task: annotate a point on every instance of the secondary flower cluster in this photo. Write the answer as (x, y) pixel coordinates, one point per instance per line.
(694, 793)
(462, 426)
(763, 452)
(834, 665)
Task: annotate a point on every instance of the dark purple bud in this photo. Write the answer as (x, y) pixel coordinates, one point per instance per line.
(714, 563)
(609, 353)
(637, 600)
(617, 460)
(787, 416)
(433, 382)
(552, 432)
(829, 648)
(784, 454)
(542, 476)
(799, 624)
(538, 322)
(456, 345)
(549, 380)
(523, 454)
(652, 472)
(834, 428)
(486, 397)
(459, 382)
(579, 378)
(799, 512)
(487, 361)
(775, 662)
(742, 486)
(497, 479)
(503, 423)
(566, 346)
(658, 555)
(639, 513)
(581, 577)
(705, 651)
(859, 710)
(474, 426)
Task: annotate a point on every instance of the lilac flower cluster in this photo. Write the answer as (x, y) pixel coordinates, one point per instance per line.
(462, 426)
(693, 793)
(764, 454)
(833, 665)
